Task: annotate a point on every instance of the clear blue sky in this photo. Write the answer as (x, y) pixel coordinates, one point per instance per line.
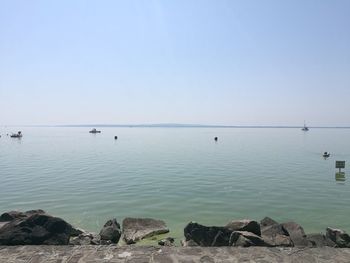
(192, 61)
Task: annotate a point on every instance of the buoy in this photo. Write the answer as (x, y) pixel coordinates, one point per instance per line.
(115, 137)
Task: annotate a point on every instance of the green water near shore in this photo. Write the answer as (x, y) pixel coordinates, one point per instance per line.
(178, 175)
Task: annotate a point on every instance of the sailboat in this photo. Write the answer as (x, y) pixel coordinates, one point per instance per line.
(94, 131)
(305, 128)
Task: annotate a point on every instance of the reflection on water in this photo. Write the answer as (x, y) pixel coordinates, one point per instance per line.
(340, 176)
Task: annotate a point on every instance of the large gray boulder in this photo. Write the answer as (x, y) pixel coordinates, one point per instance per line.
(319, 240)
(276, 236)
(338, 236)
(246, 239)
(296, 233)
(244, 225)
(36, 229)
(267, 221)
(135, 229)
(111, 231)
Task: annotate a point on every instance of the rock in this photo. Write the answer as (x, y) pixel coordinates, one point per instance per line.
(243, 242)
(2, 224)
(276, 236)
(188, 243)
(85, 238)
(338, 236)
(244, 225)
(319, 240)
(82, 239)
(77, 231)
(212, 236)
(245, 239)
(135, 229)
(296, 233)
(37, 229)
(168, 242)
(33, 212)
(12, 215)
(111, 231)
(267, 221)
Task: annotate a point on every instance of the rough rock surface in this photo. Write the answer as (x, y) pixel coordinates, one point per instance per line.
(275, 235)
(36, 229)
(188, 243)
(168, 242)
(267, 221)
(207, 236)
(319, 240)
(245, 239)
(12, 215)
(135, 229)
(111, 231)
(85, 239)
(244, 225)
(296, 233)
(338, 236)
(139, 254)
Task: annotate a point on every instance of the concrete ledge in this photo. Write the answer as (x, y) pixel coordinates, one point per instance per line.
(140, 254)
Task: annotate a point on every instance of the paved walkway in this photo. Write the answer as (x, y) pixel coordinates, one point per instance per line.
(140, 254)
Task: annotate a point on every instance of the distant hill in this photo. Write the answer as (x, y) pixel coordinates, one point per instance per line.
(181, 125)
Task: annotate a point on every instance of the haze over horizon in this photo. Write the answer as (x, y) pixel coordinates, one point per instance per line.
(202, 62)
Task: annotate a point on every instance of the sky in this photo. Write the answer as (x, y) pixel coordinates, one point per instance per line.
(223, 62)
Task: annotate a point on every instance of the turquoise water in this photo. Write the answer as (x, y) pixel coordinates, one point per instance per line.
(177, 174)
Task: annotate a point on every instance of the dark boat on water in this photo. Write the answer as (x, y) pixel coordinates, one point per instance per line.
(305, 128)
(94, 131)
(17, 135)
(326, 154)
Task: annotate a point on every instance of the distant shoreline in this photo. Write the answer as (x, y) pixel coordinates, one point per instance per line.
(177, 126)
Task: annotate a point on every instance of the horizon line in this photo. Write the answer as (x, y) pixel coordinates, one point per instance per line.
(174, 125)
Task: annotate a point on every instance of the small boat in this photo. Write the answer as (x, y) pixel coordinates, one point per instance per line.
(94, 131)
(326, 154)
(17, 135)
(305, 128)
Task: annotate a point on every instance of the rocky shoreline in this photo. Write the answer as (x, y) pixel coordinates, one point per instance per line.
(36, 227)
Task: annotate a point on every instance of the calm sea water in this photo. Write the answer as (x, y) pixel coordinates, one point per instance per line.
(178, 175)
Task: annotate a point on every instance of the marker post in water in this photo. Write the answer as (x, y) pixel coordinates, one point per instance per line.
(340, 165)
(340, 176)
